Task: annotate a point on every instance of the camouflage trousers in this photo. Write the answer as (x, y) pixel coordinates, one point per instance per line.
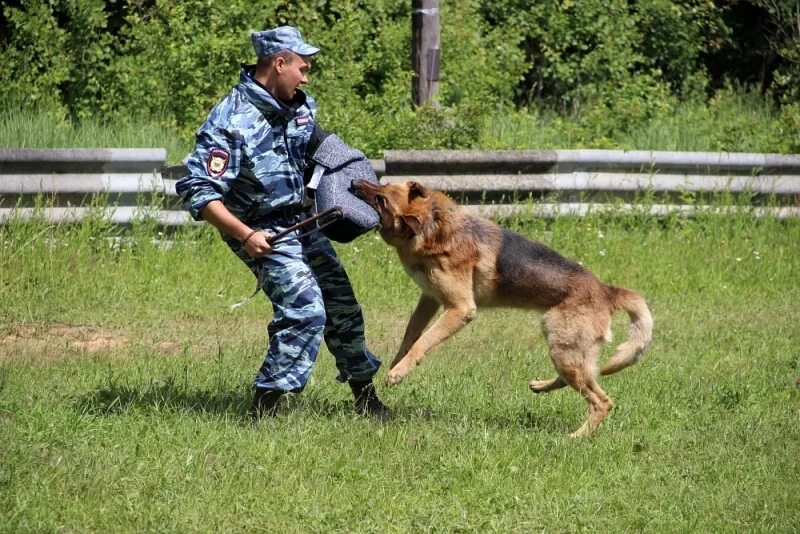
(311, 299)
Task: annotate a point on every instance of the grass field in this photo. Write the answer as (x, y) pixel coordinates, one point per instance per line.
(124, 385)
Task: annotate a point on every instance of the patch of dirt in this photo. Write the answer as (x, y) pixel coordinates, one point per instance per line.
(169, 347)
(50, 343)
(45, 344)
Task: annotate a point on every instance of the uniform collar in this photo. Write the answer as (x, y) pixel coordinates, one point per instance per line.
(262, 99)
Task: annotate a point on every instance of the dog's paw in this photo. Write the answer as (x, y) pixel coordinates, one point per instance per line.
(583, 432)
(396, 375)
(539, 386)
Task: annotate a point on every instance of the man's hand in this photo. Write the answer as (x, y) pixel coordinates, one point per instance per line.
(257, 246)
(254, 242)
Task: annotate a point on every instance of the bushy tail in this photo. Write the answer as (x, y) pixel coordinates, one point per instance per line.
(639, 334)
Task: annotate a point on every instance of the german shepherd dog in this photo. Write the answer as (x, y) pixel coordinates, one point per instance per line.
(461, 261)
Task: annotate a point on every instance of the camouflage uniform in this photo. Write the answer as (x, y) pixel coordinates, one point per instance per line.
(251, 155)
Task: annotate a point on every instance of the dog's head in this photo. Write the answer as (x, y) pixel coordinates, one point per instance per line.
(405, 209)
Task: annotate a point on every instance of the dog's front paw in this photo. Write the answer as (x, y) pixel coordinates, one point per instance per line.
(397, 375)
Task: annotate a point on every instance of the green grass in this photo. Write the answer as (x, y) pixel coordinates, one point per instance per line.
(733, 120)
(124, 383)
(25, 129)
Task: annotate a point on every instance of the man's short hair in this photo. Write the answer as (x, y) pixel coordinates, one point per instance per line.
(266, 62)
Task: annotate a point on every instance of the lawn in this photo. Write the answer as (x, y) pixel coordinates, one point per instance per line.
(124, 386)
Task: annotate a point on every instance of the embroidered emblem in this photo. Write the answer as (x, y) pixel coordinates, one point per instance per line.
(302, 120)
(217, 162)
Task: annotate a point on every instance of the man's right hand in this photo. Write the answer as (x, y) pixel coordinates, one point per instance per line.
(218, 215)
(257, 246)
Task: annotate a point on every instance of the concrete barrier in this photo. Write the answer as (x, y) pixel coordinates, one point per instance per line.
(582, 181)
(63, 185)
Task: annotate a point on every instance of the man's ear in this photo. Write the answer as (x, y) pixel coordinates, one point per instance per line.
(413, 221)
(416, 190)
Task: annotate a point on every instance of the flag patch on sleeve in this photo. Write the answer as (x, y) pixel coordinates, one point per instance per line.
(217, 162)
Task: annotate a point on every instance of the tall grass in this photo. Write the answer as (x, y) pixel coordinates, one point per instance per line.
(27, 129)
(124, 383)
(735, 120)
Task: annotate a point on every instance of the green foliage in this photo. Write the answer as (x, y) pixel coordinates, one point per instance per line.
(57, 55)
(784, 40)
(175, 60)
(598, 69)
(578, 50)
(675, 38)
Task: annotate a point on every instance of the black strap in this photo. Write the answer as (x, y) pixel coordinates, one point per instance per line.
(326, 218)
(317, 137)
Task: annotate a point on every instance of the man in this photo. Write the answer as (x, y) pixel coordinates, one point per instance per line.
(246, 178)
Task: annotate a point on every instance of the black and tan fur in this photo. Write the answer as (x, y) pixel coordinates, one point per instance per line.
(462, 262)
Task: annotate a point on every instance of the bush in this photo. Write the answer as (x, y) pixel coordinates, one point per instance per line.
(606, 68)
(176, 59)
(577, 50)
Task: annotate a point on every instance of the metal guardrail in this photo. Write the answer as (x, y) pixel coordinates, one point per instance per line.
(122, 184)
(581, 181)
(66, 185)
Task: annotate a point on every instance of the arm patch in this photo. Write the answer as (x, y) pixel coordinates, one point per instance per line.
(217, 162)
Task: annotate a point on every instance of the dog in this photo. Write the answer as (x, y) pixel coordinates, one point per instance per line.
(461, 261)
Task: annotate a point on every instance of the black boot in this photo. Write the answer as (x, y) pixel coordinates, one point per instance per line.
(265, 403)
(367, 401)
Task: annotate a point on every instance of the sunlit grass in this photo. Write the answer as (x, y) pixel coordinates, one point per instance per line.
(124, 383)
(25, 129)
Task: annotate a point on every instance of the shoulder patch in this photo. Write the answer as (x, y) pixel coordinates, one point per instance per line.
(217, 162)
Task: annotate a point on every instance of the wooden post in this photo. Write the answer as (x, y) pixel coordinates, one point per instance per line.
(425, 51)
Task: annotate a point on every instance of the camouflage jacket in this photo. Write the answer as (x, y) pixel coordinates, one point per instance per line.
(250, 153)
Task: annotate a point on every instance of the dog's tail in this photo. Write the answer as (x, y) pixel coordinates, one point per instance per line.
(639, 334)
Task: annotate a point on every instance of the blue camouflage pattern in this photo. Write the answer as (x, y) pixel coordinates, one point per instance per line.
(265, 141)
(260, 183)
(284, 38)
(312, 299)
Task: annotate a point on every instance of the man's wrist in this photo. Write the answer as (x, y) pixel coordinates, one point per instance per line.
(248, 236)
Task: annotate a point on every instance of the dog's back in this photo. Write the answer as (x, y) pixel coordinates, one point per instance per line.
(511, 269)
(531, 274)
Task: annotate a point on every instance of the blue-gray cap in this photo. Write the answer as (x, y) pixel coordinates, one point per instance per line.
(283, 38)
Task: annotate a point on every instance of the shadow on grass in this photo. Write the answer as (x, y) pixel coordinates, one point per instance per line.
(115, 399)
(527, 420)
(170, 396)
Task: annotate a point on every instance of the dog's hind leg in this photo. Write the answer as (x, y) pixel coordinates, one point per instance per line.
(600, 404)
(576, 368)
(574, 349)
(545, 386)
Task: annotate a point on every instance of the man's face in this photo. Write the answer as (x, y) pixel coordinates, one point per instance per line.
(291, 76)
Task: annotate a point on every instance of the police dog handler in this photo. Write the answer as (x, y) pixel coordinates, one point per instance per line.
(246, 178)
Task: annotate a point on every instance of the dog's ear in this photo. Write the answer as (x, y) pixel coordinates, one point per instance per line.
(414, 222)
(416, 190)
